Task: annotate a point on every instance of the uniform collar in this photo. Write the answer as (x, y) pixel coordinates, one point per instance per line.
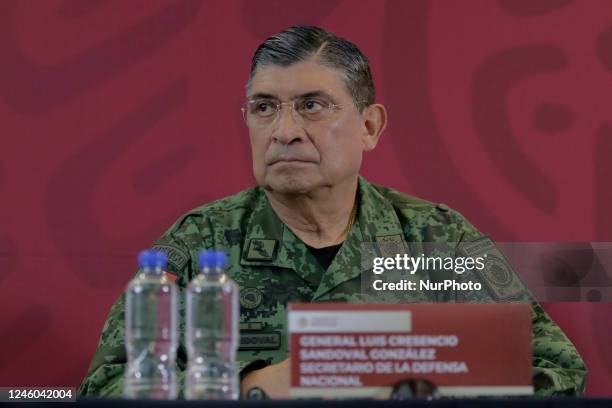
(269, 242)
(376, 222)
(377, 218)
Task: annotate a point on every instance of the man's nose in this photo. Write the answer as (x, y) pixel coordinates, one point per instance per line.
(288, 128)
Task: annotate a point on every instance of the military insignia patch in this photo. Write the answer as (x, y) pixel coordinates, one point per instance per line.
(251, 326)
(497, 274)
(385, 239)
(176, 257)
(250, 298)
(260, 340)
(261, 250)
(391, 245)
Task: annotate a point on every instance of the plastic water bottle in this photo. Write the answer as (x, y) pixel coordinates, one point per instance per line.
(212, 331)
(151, 336)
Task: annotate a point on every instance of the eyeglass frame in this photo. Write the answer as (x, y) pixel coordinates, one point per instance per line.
(332, 107)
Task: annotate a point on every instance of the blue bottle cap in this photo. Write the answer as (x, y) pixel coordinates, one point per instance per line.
(212, 259)
(206, 259)
(220, 259)
(152, 259)
(144, 259)
(160, 259)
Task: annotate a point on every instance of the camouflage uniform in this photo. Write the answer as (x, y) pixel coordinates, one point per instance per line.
(273, 267)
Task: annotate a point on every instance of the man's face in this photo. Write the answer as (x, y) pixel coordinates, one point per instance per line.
(300, 156)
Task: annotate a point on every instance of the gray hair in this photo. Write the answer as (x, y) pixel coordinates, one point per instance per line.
(296, 44)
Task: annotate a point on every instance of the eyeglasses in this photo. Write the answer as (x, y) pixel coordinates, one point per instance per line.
(262, 112)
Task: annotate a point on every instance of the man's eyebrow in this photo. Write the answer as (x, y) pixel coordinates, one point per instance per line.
(311, 94)
(314, 94)
(262, 95)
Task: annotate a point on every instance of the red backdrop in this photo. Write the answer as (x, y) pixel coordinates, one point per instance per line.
(118, 116)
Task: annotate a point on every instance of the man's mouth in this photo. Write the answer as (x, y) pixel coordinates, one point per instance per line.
(280, 160)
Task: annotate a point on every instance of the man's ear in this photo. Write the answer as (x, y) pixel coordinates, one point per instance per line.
(375, 122)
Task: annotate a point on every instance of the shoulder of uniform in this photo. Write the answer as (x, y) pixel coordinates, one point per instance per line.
(226, 210)
(405, 201)
(244, 199)
(199, 227)
(236, 203)
(414, 209)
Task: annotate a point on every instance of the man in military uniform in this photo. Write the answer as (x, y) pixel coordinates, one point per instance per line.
(299, 235)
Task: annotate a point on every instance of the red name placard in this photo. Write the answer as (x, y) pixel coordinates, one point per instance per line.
(348, 350)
